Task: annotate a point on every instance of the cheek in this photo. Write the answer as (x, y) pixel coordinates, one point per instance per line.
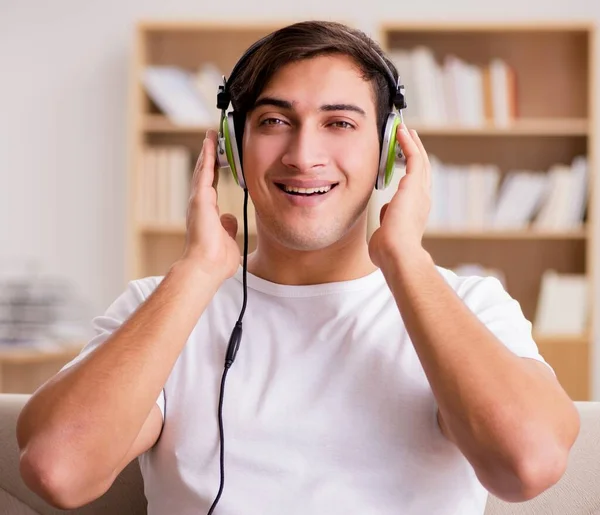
(359, 160)
(260, 155)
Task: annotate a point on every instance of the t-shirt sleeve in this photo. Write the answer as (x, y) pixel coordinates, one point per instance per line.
(501, 314)
(105, 325)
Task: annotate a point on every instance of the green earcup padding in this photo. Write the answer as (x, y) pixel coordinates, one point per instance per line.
(391, 153)
(228, 149)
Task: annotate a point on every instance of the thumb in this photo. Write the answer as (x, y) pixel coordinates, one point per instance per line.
(230, 224)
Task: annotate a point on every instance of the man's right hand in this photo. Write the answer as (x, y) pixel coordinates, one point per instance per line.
(210, 237)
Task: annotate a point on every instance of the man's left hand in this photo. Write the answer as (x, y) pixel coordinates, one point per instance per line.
(403, 220)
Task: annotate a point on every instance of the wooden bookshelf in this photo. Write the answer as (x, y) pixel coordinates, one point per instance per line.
(153, 246)
(555, 122)
(23, 370)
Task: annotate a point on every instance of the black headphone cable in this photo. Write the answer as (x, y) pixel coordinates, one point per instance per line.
(232, 348)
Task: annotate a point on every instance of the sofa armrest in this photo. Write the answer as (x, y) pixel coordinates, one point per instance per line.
(578, 491)
(9, 504)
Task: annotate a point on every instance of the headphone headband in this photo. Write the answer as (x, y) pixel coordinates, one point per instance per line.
(224, 96)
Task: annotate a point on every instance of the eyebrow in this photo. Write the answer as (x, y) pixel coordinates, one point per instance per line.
(285, 104)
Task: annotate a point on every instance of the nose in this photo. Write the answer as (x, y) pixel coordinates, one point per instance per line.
(306, 150)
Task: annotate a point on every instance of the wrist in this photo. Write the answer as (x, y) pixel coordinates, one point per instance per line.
(406, 261)
(191, 272)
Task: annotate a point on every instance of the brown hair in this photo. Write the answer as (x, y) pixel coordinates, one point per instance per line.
(304, 40)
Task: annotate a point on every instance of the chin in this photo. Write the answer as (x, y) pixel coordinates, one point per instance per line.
(306, 238)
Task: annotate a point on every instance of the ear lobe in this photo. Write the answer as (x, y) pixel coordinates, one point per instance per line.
(382, 212)
(230, 224)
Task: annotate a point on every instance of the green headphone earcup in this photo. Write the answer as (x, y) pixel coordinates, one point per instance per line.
(231, 150)
(228, 151)
(387, 157)
(392, 151)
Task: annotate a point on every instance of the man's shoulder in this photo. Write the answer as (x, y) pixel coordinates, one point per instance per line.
(483, 293)
(469, 285)
(143, 287)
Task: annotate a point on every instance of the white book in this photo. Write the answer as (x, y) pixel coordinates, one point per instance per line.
(172, 90)
(482, 185)
(145, 188)
(563, 304)
(477, 114)
(579, 192)
(151, 200)
(520, 197)
(456, 215)
(492, 176)
(402, 59)
(439, 191)
(499, 82)
(467, 94)
(450, 90)
(179, 183)
(207, 80)
(475, 197)
(554, 202)
(425, 71)
(163, 185)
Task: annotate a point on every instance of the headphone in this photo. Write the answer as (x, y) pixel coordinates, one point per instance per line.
(229, 147)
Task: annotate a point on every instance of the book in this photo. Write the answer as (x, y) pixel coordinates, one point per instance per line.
(174, 92)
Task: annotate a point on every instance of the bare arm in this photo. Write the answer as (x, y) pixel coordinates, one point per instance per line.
(508, 415)
(81, 428)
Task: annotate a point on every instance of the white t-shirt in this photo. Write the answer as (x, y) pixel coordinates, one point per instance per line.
(327, 409)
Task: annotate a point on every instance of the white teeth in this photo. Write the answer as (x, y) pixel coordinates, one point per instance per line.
(306, 191)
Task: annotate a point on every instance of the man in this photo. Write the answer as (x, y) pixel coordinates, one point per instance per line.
(368, 380)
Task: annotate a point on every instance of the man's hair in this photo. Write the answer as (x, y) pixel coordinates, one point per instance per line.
(304, 40)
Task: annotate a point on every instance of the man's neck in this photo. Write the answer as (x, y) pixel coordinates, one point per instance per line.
(343, 261)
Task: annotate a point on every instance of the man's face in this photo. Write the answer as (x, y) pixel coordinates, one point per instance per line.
(311, 152)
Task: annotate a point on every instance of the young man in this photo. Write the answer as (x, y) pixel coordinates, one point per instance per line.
(368, 380)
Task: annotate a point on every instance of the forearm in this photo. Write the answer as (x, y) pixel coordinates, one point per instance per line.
(92, 412)
(503, 412)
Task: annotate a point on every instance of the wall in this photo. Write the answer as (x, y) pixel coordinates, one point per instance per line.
(63, 107)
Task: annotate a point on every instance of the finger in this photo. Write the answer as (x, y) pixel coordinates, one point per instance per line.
(206, 165)
(230, 224)
(419, 143)
(216, 175)
(409, 148)
(197, 167)
(204, 171)
(427, 164)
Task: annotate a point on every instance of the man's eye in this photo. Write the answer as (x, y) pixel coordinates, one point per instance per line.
(343, 124)
(271, 121)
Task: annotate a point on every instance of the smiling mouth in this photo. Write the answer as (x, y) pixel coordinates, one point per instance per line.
(306, 192)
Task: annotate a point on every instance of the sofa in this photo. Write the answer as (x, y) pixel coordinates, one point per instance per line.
(577, 493)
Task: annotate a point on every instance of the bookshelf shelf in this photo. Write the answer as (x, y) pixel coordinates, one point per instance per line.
(532, 127)
(475, 27)
(156, 123)
(566, 354)
(162, 228)
(160, 124)
(508, 235)
(559, 339)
